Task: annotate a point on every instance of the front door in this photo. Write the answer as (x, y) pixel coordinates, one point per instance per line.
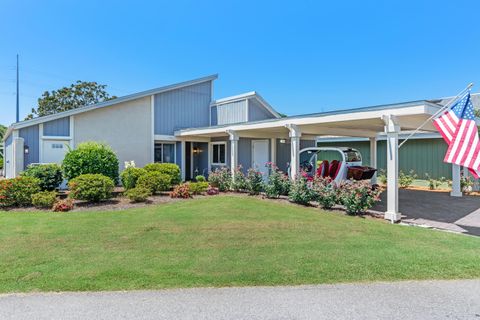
(260, 156)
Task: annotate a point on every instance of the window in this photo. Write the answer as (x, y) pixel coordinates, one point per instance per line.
(57, 146)
(165, 152)
(219, 152)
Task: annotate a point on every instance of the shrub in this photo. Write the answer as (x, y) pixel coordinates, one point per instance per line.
(91, 158)
(359, 196)
(198, 187)
(239, 182)
(405, 180)
(433, 184)
(301, 191)
(254, 181)
(138, 194)
(91, 187)
(44, 199)
(170, 169)
(382, 177)
(130, 175)
(466, 184)
(278, 183)
(1, 162)
(18, 191)
(325, 192)
(50, 175)
(212, 191)
(154, 181)
(221, 178)
(63, 205)
(181, 191)
(200, 178)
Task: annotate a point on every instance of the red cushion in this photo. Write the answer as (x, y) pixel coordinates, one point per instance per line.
(334, 168)
(323, 169)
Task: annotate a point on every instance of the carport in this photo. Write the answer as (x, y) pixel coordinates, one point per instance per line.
(362, 122)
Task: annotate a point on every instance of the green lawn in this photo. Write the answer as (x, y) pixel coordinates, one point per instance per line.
(220, 241)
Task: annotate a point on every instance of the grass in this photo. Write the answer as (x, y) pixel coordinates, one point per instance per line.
(219, 241)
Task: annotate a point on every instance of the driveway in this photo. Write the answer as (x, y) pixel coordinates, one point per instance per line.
(401, 300)
(438, 209)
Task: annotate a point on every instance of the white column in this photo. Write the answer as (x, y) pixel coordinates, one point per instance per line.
(233, 151)
(392, 129)
(294, 135)
(373, 158)
(273, 150)
(456, 188)
(18, 156)
(183, 154)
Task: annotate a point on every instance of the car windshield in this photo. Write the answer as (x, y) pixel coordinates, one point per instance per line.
(352, 156)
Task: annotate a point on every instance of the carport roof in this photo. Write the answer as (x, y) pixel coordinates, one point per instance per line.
(358, 122)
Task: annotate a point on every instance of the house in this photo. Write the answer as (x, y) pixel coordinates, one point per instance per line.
(183, 124)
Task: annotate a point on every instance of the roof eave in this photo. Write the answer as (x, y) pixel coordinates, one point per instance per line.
(126, 98)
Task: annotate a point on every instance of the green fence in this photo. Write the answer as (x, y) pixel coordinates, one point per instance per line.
(421, 155)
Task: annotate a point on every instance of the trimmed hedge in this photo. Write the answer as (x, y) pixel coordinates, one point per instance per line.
(138, 194)
(91, 158)
(18, 191)
(170, 169)
(44, 199)
(91, 187)
(50, 175)
(154, 181)
(129, 177)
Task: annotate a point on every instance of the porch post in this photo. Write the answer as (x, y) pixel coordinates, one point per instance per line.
(456, 188)
(183, 155)
(392, 129)
(294, 135)
(233, 151)
(373, 158)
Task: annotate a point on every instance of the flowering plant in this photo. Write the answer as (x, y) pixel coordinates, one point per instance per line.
(278, 183)
(358, 196)
(254, 181)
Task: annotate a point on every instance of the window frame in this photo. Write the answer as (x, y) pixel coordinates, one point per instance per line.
(162, 143)
(223, 143)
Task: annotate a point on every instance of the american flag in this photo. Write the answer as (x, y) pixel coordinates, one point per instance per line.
(459, 129)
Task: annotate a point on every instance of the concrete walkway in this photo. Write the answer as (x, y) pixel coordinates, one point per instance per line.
(401, 300)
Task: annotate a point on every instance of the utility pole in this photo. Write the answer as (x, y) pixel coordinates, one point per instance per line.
(18, 95)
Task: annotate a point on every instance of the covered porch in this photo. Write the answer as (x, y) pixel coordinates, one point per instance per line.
(280, 140)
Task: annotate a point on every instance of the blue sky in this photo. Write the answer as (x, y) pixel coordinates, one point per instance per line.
(302, 56)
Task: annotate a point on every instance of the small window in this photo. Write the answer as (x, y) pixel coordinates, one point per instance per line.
(57, 146)
(165, 152)
(219, 153)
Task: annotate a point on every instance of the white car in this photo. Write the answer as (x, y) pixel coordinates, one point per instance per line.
(338, 163)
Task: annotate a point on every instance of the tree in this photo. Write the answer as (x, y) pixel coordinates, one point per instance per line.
(78, 95)
(477, 113)
(3, 129)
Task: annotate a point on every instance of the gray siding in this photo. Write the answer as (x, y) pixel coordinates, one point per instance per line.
(283, 152)
(187, 107)
(59, 127)
(258, 112)
(233, 112)
(213, 116)
(245, 152)
(31, 138)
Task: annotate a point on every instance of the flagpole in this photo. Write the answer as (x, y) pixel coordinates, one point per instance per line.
(448, 105)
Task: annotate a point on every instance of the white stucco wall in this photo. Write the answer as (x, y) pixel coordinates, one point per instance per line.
(126, 127)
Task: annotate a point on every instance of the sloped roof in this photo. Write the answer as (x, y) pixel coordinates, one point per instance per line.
(27, 123)
(248, 95)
